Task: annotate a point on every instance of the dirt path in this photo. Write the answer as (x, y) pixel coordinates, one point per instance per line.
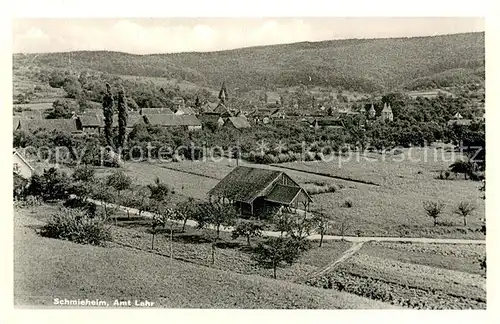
(354, 239)
(346, 255)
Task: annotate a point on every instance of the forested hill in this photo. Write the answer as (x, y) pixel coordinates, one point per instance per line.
(358, 64)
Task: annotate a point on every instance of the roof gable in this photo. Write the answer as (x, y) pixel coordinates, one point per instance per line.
(16, 153)
(239, 122)
(283, 194)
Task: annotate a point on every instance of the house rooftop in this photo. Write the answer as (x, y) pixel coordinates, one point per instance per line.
(239, 122)
(49, 124)
(151, 111)
(172, 120)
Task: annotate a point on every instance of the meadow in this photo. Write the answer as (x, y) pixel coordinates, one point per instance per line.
(395, 207)
(409, 275)
(68, 270)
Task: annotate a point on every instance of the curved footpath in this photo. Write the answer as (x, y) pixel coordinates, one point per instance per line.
(326, 237)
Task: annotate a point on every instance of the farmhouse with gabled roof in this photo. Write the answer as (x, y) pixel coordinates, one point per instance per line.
(21, 166)
(257, 191)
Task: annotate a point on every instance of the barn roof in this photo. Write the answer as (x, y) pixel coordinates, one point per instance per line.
(151, 111)
(186, 111)
(49, 124)
(283, 194)
(34, 114)
(172, 120)
(98, 120)
(91, 120)
(92, 112)
(244, 183)
(239, 122)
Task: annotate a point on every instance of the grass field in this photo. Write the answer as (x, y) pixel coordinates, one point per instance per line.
(46, 268)
(395, 207)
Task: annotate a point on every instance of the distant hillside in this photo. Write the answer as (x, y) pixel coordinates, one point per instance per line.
(358, 64)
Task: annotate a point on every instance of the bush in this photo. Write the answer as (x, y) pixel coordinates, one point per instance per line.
(347, 203)
(75, 225)
(89, 207)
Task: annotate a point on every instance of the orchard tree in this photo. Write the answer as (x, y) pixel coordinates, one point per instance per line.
(215, 214)
(464, 210)
(433, 209)
(105, 195)
(248, 229)
(462, 166)
(323, 222)
(186, 210)
(276, 252)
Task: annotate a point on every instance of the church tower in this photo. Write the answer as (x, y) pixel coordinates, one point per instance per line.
(223, 93)
(371, 112)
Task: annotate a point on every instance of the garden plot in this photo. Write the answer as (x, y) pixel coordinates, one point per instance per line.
(464, 258)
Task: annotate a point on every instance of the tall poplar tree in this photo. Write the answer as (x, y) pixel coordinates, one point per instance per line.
(107, 107)
(122, 117)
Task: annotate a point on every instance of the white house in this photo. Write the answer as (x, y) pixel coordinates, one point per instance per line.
(21, 166)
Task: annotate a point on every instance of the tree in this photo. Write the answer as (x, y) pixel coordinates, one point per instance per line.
(298, 226)
(105, 195)
(155, 224)
(464, 210)
(433, 209)
(119, 181)
(122, 117)
(323, 222)
(343, 223)
(277, 252)
(51, 185)
(159, 191)
(107, 107)
(158, 204)
(83, 173)
(462, 166)
(72, 87)
(62, 109)
(248, 229)
(141, 195)
(215, 214)
(186, 210)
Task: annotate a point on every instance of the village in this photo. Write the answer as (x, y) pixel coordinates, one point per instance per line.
(373, 198)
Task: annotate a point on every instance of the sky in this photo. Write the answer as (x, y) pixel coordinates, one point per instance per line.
(171, 35)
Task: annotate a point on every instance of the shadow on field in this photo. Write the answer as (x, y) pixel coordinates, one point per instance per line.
(191, 238)
(227, 245)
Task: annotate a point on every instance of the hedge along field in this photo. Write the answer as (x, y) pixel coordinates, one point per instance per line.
(384, 169)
